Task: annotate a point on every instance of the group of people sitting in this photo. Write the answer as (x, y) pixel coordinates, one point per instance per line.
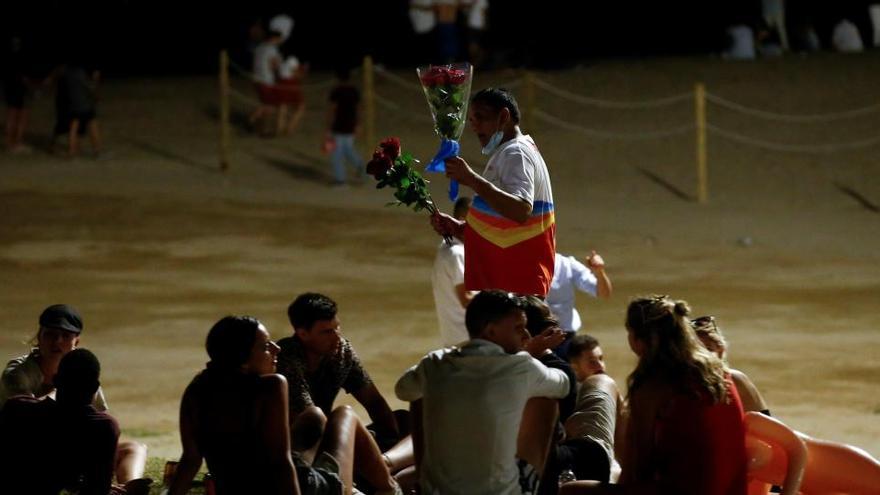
(500, 413)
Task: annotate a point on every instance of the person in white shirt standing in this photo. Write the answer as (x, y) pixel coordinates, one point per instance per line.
(469, 404)
(267, 61)
(447, 280)
(569, 275)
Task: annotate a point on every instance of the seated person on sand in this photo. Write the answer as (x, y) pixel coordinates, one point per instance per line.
(234, 415)
(712, 339)
(59, 444)
(469, 403)
(33, 375)
(318, 361)
(592, 432)
(685, 432)
(544, 334)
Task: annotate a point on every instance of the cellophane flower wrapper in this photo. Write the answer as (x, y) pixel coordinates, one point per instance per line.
(447, 89)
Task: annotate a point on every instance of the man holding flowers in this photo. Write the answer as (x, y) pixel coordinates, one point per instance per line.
(510, 232)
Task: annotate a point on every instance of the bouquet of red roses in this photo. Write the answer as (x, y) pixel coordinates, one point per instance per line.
(447, 89)
(393, 168)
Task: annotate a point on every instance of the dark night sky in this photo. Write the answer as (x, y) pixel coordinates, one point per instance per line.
(139, 37)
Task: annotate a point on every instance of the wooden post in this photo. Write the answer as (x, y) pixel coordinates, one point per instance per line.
(702, 158)
(530, 118)
(369, 106)
(224, 111)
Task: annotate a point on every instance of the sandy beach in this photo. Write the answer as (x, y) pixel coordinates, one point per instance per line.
(153, 243)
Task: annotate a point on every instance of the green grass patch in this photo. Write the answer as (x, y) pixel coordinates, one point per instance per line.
(155, 469)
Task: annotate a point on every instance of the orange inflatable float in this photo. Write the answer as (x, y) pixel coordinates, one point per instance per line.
(801, 464)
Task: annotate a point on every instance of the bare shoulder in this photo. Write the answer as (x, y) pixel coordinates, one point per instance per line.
(739, 377)
(272, 381)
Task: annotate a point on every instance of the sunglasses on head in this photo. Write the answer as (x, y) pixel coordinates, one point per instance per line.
(704, 321)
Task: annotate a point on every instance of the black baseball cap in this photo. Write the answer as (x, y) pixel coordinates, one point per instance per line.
(63, 317)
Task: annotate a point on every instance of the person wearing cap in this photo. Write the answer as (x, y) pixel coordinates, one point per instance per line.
(33, 375)
(63, 443)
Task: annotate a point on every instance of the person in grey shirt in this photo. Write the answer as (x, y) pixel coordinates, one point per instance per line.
(470, 404)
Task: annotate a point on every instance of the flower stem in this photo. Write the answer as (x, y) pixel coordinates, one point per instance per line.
(433, 210)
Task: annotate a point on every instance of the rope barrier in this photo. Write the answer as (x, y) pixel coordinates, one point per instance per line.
(631, 105)
(635, 136)
(420, 117)
(781, 117)
(398, 80)
(794, 148)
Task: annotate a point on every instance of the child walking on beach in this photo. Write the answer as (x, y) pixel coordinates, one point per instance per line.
(342, 125)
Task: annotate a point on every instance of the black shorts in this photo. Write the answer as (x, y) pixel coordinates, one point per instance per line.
(586, 458)
(15, 92)
(62, 123)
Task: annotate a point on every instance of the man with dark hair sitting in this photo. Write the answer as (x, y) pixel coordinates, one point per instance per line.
(51, 445)
(317, 362)
(469, 404)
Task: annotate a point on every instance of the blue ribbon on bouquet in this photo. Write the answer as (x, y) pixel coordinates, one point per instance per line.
(448, 149)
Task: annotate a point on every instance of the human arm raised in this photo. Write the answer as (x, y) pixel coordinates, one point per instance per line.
(603, 284)
(507, 205)
(550, 338)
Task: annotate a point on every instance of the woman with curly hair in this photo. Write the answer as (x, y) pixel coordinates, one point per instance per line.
(685, 433)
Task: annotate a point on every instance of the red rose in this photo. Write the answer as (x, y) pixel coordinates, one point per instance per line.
(457, 76)
(436, 79)
(436, 76)
(379, 165)
(391, 147)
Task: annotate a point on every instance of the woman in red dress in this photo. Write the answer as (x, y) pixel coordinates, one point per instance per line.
(685, 432)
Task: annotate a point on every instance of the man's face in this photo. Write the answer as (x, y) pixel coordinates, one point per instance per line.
(323, 338)
(588, 363)
(484, 122)
(55, 342)
(509, 332)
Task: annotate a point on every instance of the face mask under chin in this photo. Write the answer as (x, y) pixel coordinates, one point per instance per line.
(493, 143)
